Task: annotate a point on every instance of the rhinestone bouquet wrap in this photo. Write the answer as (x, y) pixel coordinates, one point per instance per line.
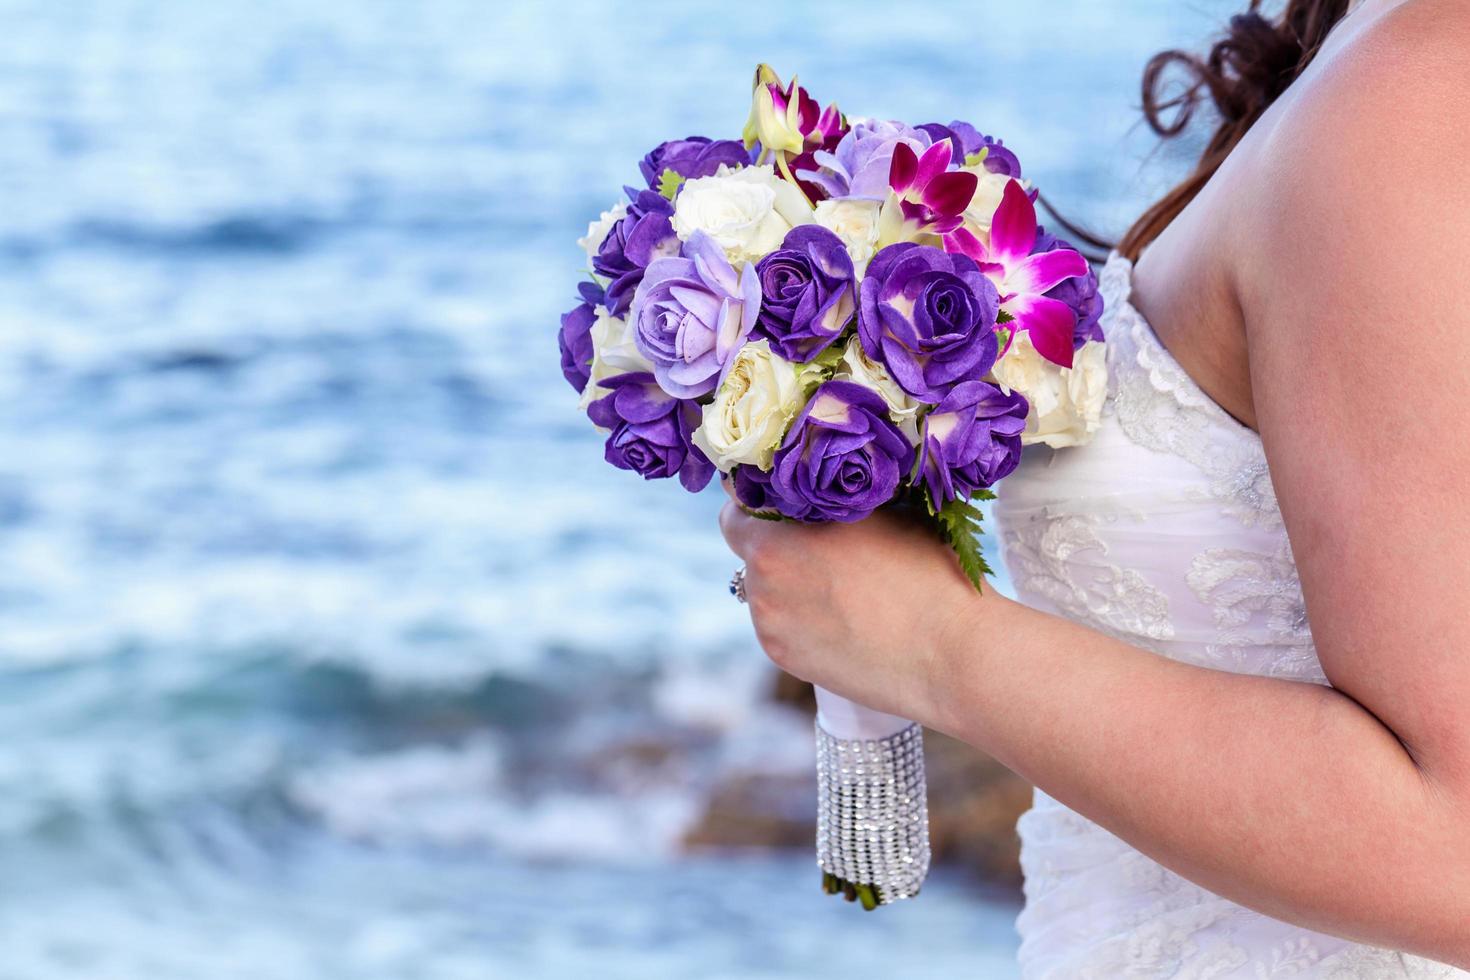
(872, 815)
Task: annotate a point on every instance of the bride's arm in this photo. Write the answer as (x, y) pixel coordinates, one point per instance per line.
(1290, 798)
(1344, 809)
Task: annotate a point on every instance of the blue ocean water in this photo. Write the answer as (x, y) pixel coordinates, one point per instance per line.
(329, 646)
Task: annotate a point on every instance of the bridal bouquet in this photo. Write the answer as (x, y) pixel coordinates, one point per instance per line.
(836, 315)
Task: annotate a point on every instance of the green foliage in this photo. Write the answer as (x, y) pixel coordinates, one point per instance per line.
(959, 523)
(669, 182)
(830, 358)
(820, 368)
(761, 515)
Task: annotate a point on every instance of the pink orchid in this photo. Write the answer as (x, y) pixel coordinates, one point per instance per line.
(1022, 278)
(787, 124)
(786, 119)
(830, 127)
(931, 197)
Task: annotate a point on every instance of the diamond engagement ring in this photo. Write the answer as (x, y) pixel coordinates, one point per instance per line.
(737, 584)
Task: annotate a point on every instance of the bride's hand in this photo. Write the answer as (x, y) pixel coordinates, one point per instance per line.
(860, 609)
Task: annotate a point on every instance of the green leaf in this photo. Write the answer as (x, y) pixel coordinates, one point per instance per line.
(761, 515)
(820, 368)
(1003, 317)
(830, 358)
(959, 523)
(669, 182)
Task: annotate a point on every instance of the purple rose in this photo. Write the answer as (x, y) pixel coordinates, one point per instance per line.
(808, 292)
(842, 458)
(693, 156)
(969, 140)
(575, 337)
(639, 237)
(859, 165)
(753, 488)
(690, 315)
(1078, 292)
(970, 440)
(650, 431)
(929, 317)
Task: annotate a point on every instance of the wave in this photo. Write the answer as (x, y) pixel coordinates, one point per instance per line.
(281, 234)
(273, 234)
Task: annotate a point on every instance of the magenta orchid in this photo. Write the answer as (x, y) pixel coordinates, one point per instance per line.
(931, 198)
(822, 136)
(1022, 278)
(829, 127)
(926, 199)
(787, 122)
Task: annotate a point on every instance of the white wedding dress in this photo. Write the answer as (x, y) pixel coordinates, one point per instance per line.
(1163, 532)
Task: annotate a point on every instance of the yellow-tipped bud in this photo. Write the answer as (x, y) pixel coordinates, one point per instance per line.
(775, 114)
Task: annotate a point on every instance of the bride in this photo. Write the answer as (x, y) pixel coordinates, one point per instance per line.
(1239, 670)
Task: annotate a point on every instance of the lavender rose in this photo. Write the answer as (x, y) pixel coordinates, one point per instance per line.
(690, 315)
(970, 440)
(650, 431)
(842, 458)
(1078, 292)
(859, 165)
(929, 317)
(693, 156)
(575, 337)
(642, 235)
(808, 292)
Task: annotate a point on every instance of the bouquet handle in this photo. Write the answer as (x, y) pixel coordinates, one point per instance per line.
(872, 807)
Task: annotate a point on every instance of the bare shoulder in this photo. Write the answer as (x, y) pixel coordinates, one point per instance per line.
(1348, 268)
(1391, 103)
(1349, 272)
(1408, 67)
(1365, 163)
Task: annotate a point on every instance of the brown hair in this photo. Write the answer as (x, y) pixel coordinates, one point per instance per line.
(1244, 72)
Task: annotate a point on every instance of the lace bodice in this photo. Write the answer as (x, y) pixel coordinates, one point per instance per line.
(1163, 532)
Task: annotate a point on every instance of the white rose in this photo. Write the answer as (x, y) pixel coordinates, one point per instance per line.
(987, 198)
(856, 223)
(613, 353)
(597, 232)
(1066, 403)
(755, 403)
(857, 366)
(747, 211)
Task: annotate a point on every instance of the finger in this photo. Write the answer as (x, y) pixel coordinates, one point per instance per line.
(740, 529)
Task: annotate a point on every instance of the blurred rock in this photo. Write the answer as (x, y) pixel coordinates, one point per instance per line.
(758, 810)
(973, 804)
(789, 690)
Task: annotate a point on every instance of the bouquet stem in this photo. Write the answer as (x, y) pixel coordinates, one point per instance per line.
(872, 823)
(785, 169)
